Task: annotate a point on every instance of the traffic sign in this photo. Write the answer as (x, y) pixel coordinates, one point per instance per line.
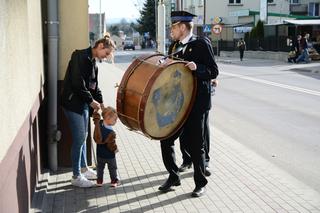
(217, 20)
(207, 28)
(216, 29)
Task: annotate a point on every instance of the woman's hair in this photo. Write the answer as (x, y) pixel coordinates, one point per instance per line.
(108, 112)
(107, 35)
(107, 42)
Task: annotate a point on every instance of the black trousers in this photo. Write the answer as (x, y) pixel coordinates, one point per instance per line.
(186, 158)
(241, 53)
(193, 129)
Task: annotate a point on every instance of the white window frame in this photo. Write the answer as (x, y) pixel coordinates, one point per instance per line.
(235, 2)
(294, 1)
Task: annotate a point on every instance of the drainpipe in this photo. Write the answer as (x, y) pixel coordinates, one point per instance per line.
(53, 36)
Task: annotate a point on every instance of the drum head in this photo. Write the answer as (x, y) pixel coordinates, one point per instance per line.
(169, 101)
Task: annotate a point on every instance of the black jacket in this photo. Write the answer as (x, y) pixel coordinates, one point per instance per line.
(80, 75)
(199, 50)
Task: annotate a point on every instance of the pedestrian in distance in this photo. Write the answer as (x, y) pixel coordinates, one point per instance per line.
(242, 47)
(303, 48)
(294, 49)
(80, 96)
(198, 53)
(105, 137)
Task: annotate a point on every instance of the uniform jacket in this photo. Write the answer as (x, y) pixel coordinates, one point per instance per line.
(80, 84)
(199, 50)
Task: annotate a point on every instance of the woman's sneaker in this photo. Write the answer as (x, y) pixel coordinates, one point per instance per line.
(90, 174)
(99, 182)
(115, 183)
(82, 182)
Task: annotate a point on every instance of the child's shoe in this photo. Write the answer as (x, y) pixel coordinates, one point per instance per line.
(99, 182)
(115, 183)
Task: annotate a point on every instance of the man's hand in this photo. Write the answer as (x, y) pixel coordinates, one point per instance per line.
(214, 82)
(191, 65)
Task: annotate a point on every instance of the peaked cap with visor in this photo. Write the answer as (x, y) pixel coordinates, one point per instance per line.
(181, 16)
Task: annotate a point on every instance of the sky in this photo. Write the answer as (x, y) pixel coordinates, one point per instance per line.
(116, 9)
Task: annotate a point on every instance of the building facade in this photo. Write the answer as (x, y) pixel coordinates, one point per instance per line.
(239, 16)
(24, 90)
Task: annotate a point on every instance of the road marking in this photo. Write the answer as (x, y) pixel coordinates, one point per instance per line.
(298, 89)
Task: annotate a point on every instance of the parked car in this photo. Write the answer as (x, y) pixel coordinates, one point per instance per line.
(128, 45)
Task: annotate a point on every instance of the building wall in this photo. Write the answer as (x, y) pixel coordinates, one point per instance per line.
(196, 7)
(224, 9)
(73, 28)
(21, 92)
(21, 65)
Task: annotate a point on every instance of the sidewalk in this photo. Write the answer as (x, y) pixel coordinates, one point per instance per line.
(313, 67)
(241, 181)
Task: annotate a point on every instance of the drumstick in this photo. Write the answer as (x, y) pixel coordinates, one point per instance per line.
(175, 52)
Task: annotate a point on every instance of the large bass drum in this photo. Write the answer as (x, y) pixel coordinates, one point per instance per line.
(156, 95)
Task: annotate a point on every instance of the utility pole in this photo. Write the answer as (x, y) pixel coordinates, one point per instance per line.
(263, 11)
(204, 11)
(100, 21)
(161, 27)
(179, 4)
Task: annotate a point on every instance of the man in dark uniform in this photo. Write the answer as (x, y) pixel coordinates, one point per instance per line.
(199, 54)
(186, 159)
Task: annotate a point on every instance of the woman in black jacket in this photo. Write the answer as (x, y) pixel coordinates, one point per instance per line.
(81, 94)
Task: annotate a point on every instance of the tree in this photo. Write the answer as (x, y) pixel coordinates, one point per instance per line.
(260, 30)
(147, 22)
(114, 30)
(257, 34)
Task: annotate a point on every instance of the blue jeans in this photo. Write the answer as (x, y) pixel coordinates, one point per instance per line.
(304, 56)
(79, 131)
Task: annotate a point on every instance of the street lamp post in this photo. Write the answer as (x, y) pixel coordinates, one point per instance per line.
(161, 27)
(100, 21)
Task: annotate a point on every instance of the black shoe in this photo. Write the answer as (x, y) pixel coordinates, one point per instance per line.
(198, 191)
(168, 184)
(207, 171)
(184, 167)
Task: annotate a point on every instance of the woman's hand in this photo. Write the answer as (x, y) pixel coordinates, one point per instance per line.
(95, 105)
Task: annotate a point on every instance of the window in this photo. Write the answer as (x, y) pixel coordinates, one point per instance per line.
(270, 1)
(294, 1)
(234, 1)
(314, 9)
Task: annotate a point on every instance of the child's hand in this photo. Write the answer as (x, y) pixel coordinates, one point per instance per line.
(96, 116)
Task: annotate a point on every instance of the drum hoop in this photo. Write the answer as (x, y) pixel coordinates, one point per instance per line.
(144, 101)
(120, 94)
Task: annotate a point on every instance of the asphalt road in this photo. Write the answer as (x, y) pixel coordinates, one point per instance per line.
(269, 108)
(273, 111)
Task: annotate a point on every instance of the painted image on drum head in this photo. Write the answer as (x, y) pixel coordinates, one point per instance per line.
(167, 105)
(169, 100)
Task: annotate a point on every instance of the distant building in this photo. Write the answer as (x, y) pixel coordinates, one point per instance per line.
(94, 26)
(239, 16)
